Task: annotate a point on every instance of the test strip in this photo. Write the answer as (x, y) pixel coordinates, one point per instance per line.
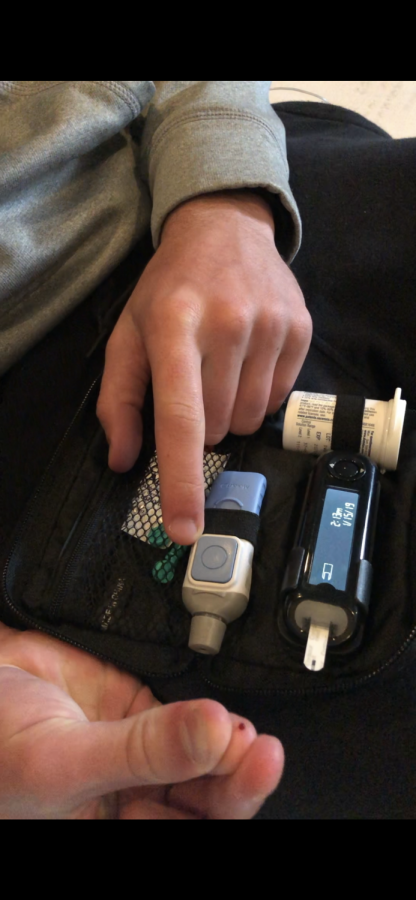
(315, 654)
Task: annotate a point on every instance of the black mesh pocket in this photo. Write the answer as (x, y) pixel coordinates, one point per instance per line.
(110, 581)
(121, 574)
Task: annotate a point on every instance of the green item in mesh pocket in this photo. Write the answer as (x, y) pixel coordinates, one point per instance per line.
(164, 569)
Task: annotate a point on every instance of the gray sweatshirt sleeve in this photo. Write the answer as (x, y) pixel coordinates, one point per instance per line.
(205, 136)
(77, 162)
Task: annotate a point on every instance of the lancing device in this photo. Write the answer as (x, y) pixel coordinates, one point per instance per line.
(327, 584)
(217, 584)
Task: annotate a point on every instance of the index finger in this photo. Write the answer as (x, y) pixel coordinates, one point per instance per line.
(180, 436)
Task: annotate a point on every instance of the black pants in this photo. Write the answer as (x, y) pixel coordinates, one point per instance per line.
(352, 754)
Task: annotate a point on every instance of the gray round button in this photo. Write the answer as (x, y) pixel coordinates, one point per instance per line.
(214, 557)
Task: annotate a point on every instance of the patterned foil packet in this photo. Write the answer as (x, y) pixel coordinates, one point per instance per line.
(144, 520)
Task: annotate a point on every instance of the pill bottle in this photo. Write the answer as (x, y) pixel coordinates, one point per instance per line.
(309, 420)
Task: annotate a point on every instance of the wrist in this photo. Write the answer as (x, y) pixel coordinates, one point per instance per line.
(249, 205)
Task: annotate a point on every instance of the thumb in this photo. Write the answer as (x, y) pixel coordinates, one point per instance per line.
(164, 745)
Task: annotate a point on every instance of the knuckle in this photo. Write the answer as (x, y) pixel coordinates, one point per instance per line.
(140, 752)
(183, 410)
(181, 418)
(304, 325)
(178, 310)
(233, 322)
(302, 329)
(271, 329)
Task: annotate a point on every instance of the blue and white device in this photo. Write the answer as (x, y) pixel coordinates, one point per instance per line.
(217, 584)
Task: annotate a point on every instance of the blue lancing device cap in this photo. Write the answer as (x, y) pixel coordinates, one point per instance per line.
(237, 490)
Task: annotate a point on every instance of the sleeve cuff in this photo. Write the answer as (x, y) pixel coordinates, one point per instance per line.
(218, 151)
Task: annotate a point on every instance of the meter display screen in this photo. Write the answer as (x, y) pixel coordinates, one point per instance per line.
(332, 555)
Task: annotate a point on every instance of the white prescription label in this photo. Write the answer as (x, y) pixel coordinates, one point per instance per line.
(308, 422)
(369, 427)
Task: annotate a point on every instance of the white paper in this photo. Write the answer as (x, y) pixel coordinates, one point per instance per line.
(390, 104)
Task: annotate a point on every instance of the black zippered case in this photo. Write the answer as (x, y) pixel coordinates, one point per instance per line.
(75, 572)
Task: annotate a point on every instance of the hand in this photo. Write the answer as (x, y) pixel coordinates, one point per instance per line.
(81, 740)
(220, 324)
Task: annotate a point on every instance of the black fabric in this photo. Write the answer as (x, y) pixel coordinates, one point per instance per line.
(348, 423)
(238, 523)
(409, 423)
(350, 739)
(41, 393)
